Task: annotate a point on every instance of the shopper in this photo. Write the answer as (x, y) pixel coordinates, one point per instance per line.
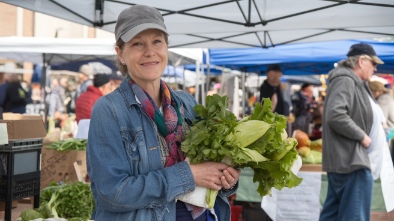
(348, 123)
(134, 160)
(15, 97)
(303, 106)
(84, 105)
(85, 76)
(385, 101)
(54, 101)
(271, 88)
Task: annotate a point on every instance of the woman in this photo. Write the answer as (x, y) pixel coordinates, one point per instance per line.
(385, 101)
(135, 163)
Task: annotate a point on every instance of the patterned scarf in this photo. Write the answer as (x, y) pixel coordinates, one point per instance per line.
(169, 125)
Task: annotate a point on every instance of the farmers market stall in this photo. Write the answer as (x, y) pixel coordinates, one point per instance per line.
(247, 190)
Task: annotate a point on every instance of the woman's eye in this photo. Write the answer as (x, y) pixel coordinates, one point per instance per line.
(157, 41)
(136, 44)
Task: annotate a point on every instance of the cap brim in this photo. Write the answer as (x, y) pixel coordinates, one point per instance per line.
(130, 34)
(377, 60)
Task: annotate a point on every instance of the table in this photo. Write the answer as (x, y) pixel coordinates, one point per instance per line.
(247, 189)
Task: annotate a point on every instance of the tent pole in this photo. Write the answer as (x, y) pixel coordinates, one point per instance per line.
(222, 82)
(183, 79)
(203, 89)
(176, 82)
(196, 92)
(207, 87)
(208, 74)
(43, 88)
(258, 85)
(243, 93)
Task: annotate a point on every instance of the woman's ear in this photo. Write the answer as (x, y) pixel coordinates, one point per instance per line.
(119, 53)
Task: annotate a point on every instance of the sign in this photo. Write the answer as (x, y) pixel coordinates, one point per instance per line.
(387, 179)
(298, 203)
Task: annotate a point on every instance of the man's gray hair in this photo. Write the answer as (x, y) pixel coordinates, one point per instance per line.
(350, 62)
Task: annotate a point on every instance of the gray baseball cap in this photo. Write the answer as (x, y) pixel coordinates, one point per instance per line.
(136, 19)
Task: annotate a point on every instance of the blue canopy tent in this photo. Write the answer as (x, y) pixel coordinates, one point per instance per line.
(213, 69)
(298, 59)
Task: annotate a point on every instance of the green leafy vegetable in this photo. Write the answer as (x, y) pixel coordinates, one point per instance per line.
(258, 141)
(69, 144)
(30, 214)
(76, 219)
(67, 201)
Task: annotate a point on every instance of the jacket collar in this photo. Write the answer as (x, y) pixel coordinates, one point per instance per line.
(128, 94)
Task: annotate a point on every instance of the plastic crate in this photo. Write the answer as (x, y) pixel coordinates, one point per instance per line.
(236, 213)
(22, 144)
(22, 186)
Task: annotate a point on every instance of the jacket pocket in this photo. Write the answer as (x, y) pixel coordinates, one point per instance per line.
(133, 141)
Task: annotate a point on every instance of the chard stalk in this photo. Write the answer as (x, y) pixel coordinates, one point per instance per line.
(211, 197)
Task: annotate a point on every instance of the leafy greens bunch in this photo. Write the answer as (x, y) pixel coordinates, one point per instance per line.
(72, 202)
(69, 144)
(258, 141)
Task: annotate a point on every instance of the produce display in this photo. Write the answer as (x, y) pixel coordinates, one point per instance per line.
(258, 141)
(70, 202)
(310, 151)
(69, 144)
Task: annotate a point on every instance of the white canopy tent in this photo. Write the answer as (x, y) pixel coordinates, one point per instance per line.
(55, 50)
(50, 51)
(63, 50)
(235, 23)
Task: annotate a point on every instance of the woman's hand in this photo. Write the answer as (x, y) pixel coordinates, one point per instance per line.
(209, 174)
(230, 177)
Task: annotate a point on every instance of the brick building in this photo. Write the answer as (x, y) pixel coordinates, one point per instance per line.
(16, 21)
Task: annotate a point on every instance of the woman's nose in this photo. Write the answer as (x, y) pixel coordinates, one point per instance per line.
(148, 50)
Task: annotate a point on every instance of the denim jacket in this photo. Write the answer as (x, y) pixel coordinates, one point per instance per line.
(128, 180)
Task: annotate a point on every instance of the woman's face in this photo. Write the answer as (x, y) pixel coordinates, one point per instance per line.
(146, 56)
(376, 94)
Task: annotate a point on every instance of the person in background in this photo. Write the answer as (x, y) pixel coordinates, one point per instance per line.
(317, 118)
(55, 103)
(115, 79)
(3, 88)
(84, 105)
(271, 88)
(348, 126)
(385, 101)
(64, 92)
(134, 158)
(15, 97)
(85, 80)
(303, 106)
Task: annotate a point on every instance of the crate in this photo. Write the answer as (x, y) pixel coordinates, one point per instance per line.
(20, 172)
(22, 144)
(22, 186)
(236, 213)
